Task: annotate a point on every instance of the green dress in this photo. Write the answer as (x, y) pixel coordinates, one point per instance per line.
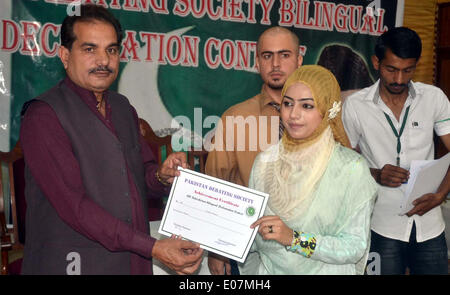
(338, 218)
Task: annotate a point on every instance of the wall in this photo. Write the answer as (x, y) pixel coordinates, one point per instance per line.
(421, 17)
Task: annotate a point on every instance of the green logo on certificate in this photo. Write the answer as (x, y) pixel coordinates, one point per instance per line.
(250, 211)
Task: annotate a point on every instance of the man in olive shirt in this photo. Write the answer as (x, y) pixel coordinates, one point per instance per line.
(240, 136)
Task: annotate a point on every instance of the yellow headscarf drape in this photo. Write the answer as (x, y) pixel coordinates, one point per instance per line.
(292, 169)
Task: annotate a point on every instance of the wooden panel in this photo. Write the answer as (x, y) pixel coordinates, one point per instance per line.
(420, 16)
(444, 75)
(444, 25)
(443, 63)
(443, 49)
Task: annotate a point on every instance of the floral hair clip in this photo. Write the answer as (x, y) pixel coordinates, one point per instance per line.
(334, 110)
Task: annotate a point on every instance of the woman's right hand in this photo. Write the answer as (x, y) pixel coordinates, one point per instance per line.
(273, 228)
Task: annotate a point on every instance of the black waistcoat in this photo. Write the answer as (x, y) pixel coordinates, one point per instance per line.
(51, 245)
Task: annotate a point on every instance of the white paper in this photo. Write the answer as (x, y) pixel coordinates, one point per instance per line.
(214, 213)
(424, 178)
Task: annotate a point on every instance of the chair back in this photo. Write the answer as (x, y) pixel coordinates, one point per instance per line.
(159, 145)
(197, 160)
(12, 203)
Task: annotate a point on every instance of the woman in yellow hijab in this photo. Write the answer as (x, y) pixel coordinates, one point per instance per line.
(321, 192)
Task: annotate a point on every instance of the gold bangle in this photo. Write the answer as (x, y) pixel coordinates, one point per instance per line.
(162, 181)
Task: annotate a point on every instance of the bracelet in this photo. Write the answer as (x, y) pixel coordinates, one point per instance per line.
(303, 243)
(162, 181)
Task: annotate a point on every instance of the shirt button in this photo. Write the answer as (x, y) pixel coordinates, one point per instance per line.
(127, 194)
(123, 171)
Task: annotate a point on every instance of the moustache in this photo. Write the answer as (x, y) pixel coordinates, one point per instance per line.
(276, 72)
(101, 69)
(397, 85)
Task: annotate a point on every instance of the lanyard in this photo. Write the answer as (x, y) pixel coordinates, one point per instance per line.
(399, 145)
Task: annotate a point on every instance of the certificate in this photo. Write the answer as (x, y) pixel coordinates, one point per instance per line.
(213, 213)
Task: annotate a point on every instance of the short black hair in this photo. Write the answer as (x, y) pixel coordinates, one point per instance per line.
(88, 13)
(402, 41)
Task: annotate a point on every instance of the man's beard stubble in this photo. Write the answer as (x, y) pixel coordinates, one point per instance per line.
(389, 89)
(274, 86)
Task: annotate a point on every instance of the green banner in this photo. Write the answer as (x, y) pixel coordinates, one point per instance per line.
(187, 59)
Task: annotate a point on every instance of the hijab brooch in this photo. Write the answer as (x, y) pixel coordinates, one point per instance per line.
(334, 110)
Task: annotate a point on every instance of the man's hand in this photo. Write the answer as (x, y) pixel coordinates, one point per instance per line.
(425, 203)
(218, 265)
(183, 257)
(390, 175)
(169, 169)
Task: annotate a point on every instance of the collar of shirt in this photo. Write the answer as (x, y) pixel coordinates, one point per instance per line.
(266, 99)
(374, 94)
(88, 97)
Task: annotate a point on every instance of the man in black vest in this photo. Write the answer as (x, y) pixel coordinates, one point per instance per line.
(88, 170)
